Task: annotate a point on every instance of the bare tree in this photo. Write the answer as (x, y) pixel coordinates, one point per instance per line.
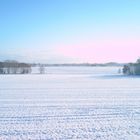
(42, 69)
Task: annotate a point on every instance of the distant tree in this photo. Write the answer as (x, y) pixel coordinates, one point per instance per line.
(138, 60)
(1, 68)
(11, 66)
(1, 71)
(126, 69)
(119, 70)
(41, 69)
(14, 67)
(25, 70)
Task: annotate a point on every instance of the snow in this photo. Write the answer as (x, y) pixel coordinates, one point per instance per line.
(70, 103)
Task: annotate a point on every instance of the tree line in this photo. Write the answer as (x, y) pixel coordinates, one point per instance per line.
(14, 67)
(132, 68)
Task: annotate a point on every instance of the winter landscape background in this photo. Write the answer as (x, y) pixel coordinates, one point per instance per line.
(70, 103)
(61, 65)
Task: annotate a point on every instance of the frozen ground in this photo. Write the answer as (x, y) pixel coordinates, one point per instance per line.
(70, 103)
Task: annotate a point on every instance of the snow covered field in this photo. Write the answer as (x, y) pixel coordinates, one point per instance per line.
(94, 103)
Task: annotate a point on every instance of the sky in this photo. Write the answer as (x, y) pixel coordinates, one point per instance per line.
(70, 31)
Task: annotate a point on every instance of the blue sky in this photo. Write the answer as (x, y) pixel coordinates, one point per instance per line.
(61, 31)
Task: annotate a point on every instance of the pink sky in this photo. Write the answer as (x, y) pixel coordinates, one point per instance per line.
(100, 51)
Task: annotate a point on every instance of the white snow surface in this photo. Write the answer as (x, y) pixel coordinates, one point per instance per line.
(78, 103)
